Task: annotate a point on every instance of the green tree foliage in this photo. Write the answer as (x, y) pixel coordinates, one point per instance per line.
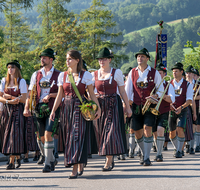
(97, 22)
(175, 54)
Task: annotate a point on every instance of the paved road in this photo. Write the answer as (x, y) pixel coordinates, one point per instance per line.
(171, 174)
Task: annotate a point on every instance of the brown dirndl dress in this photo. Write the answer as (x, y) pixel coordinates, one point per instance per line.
(73, 125)
(110, 127)
(189, 125)
(14, 123)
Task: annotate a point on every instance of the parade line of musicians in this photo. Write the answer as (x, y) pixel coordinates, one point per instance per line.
(57, 124)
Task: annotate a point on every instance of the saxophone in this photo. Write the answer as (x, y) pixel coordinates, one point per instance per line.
(32, 101)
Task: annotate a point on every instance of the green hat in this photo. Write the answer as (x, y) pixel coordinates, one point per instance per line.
(143, 51)
(105, 53)
(16, 63)
(190, 69)
(177, 66)
(161, 67)
(197, 72)
(49, 53)
(183, 73)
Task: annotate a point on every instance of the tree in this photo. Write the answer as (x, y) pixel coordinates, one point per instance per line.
(16, 32)
(97, 24)
(50, 11)
(175, 54)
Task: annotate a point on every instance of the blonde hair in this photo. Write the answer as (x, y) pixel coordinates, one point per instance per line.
(16, 76)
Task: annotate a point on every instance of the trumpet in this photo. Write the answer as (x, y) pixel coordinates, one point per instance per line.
(155, 110)
(148, 102)
(32, 101)
(196, 84)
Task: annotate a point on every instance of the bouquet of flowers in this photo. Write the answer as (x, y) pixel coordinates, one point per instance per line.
(88, 110)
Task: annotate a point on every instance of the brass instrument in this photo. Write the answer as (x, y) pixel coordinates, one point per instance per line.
(196, 84)
(148, 102)
(32, 101)
(155, 110)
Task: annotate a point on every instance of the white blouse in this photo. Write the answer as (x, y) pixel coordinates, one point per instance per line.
(118, 77)
(22, 86)
(87, 79)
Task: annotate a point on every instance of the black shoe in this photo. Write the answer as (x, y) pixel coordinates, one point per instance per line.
(131, 154)
(154, 149)
(122, 157)
(73, 177)
(159, 158)
(35, 158)
(53, 164)
(25, 160)
(81, 172)
(8, 162)
(191, 151)
(89, 155)
(183, 154)
(187, 148)
(106, 169)
(197, 149)
(18, 163)
(46, 169)
(165, 148)
(10, 166)
(174, 155)
(141, 159)
(41, 160)
(56, 155)
(178, 154)
(147, 162)
(118, 157)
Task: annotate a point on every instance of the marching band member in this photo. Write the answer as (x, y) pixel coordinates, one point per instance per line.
(13, 86)
(183, 98)
(46, 84)
(110, 128)
(162, 118)
(140, 83)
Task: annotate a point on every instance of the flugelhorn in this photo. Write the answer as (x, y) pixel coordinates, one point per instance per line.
(32, 101)
(155, 110)
(148, 102)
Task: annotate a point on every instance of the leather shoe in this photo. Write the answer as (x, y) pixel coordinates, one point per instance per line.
(10, 166)
(147, 162)
(159, 158)
(131, 154)
(80, 173)
(197, 149)
(183, 154)
(165, 148)
(53, 164)
(25, 160)
(106, 169)
(191, 151)
(178, 154)
(187, 148)
(56, 155)
(73, 176)
(46, 169)
(18, 163)
(122, 157)
(36, 158)
(41, 160)
(154, 149)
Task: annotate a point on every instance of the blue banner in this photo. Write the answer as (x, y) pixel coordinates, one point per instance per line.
(164, 48)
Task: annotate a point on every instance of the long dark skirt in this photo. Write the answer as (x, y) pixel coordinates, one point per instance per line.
(2, 131)
(74, 132)
(109, 128)
(189, 125)
(92, 143)
(14, 136)
(31, 138)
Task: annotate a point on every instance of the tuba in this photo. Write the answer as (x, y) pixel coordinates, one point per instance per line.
(32, 101)
(155, 110)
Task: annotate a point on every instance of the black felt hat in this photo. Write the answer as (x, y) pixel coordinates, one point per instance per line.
(105, 53)
(16, 63)
(49, 53)
(161, 67)
(197, 72)
(177, 66)
(190, 69)
(143, 51)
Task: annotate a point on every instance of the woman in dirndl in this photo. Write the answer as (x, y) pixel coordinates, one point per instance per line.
(110, 128)
(13, 94)
(72, 122)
